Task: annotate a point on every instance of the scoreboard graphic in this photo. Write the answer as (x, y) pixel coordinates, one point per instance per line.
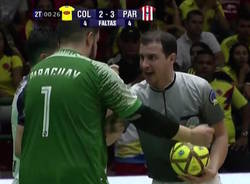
(98, 17)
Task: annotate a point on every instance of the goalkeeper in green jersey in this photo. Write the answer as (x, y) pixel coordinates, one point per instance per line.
(63, 108)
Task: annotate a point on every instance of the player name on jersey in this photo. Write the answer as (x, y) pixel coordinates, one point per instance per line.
(67, 72)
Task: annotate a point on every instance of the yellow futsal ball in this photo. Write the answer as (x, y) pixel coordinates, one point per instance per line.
(186, 158)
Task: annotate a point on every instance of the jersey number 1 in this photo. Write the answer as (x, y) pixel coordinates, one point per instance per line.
(46, 90)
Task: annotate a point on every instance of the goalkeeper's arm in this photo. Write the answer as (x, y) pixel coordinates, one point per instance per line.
(151, 121)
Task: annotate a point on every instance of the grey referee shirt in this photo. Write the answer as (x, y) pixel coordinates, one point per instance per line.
(189, 100)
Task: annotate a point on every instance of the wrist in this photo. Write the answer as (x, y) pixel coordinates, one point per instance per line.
(213, 169)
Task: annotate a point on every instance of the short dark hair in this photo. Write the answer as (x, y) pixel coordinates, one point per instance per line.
(167, 40)
(207, 51)
(41, 40)
(72, 31)
(203, 45)
(192, 13)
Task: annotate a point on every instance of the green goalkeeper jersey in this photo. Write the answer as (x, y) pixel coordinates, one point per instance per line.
(65, 102)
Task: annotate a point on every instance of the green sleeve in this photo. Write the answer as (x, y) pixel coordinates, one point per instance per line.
(115, 94)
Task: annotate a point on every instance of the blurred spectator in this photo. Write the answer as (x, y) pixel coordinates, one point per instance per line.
(193, 34)
(242, 36)
(238, 67)
(128, 58)
(172, 18)
(228, 96)
(171, 13)
(44, 23)
(231, 10)
(195, 48)
(8, 9)
(212, 10)
(10, 68)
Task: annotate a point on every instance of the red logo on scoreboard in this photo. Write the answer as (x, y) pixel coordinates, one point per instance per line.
(147, 13)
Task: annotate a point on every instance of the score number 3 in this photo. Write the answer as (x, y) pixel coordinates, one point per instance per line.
(46, 90)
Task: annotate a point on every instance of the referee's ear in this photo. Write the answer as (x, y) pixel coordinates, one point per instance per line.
(172, 57)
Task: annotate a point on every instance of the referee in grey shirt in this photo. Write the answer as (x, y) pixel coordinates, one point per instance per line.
(182, 97)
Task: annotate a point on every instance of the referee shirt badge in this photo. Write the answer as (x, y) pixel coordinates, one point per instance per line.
(212, 97)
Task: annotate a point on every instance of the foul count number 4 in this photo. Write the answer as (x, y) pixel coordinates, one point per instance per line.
(85, 23)
(129, 23)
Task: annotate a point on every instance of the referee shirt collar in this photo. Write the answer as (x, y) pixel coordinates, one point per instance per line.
(166, 88)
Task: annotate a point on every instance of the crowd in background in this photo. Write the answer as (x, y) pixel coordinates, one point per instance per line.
(220, 28)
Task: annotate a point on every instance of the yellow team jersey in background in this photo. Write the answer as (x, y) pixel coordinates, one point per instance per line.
(67, 13)
(7, 64)
(228, 95)
(191, 70)
(226, 45)
(29, 26)
(231, 73)
(189, 5)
